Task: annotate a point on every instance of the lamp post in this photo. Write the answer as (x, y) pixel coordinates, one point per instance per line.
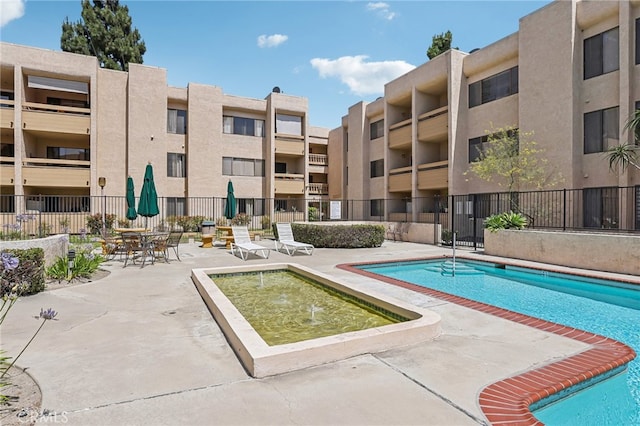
(102, 182)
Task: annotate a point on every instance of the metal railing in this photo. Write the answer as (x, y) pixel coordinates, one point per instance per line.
(612, 209)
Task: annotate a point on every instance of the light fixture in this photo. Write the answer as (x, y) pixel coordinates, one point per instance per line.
(102, 181)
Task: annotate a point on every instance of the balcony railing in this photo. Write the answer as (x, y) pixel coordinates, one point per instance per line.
(6, 114)
(56, 118)
(433, 175)
(318, 159)
(400, 135)
(400, 179)
(7, 172)
(289, 147)
(50, 172)
(289, 183)
(434, 125)
(318, 188)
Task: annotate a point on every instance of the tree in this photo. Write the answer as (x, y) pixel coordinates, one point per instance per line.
(512, 160)
(624, 155)
(440, 44)
(104, 31)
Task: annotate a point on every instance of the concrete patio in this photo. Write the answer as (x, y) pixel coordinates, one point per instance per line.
(140, 347)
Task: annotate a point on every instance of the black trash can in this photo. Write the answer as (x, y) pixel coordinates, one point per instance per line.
(208, 226)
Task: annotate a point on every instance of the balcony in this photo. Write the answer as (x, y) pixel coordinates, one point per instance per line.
(433, 175)
(400, 179)
(6, 114)
(400, 135)
(289, 147)
(433, 126)
(318, 189)
(56, 118)
(318, 160)
(49, 172)
(288, 183)
(7, 172)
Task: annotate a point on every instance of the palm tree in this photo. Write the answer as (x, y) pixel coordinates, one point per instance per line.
(624, 155)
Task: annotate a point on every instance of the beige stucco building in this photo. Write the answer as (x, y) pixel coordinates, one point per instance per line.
(66, 123)
(570, 75)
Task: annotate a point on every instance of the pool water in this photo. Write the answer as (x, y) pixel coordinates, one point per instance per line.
(599, 306)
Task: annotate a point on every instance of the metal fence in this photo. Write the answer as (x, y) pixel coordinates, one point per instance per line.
(611, 209)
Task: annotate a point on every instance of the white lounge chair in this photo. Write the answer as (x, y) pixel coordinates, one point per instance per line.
(285, 241)
(242, 244)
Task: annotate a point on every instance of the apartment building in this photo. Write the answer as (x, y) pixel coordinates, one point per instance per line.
(570, 75)
(68, 125)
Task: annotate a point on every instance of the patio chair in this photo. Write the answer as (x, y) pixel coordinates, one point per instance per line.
(173, 242)
(288, 243)
(135, 246)
(243, 244)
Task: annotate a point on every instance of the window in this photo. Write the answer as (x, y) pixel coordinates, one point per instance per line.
(7, 150)
(377, 207)
(600, 130)
(637, 135)
(493, 88)
(600, 208)
(5, 95)
(176, 206)
(64, 153)
(476, 148)
(176, 165)
(67, 102)
(289, 124)
(281, 167)
(377, 168)
(242, 126)
(177, 121)
(242, 167)
(251, 206)
(376, 129)
(638, 41)
(601, 53)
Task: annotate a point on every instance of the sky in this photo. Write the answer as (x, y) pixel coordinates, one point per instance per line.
(334, 53)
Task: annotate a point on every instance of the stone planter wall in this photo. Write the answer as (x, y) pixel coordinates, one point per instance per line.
(54, 246)
(602, 252)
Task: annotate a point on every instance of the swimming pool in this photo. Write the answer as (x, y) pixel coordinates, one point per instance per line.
(603, 307)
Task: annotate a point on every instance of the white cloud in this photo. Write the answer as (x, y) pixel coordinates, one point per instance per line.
(362, 77)
(271, 40)
(382, 9)
(10, 10)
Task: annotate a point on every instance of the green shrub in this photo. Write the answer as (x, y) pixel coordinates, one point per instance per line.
(84, 265)
(241, 219)
(314, 214)
(266, 222)
(94, 222)
(506, 220)
(339, 236)
(28, 276)
(446, 236)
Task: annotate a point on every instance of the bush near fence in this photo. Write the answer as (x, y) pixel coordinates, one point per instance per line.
(339, 236)
(28, 276)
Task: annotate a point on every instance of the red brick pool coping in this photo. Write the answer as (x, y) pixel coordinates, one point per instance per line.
(507, 401)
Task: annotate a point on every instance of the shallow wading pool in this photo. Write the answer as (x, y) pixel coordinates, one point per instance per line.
(387, 323)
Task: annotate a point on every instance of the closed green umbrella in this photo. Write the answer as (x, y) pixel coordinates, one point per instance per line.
(148, 204)
(131, 200)
(230, 206)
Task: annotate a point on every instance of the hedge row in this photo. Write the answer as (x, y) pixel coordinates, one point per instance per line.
(339, 236)
(29, 275)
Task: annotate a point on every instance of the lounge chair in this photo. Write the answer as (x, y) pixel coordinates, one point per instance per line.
(242, 244)
(288, 243)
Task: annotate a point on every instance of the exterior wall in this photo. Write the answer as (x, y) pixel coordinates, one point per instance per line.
(551, 102)
(128, 130)
(616, 253)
